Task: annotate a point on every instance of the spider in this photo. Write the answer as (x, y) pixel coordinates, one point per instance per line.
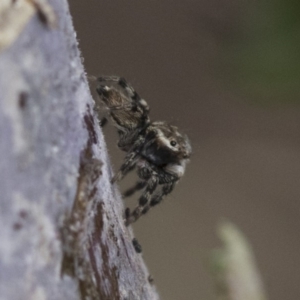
(156, 149)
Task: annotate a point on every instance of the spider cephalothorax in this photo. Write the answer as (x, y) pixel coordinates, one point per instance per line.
(156, 149)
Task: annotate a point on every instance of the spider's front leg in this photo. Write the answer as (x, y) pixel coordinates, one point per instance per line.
(138, 186)
(127, 166)
(103, 122)
(168, 185)
(167, 189)
(130, 160)
(143, 201)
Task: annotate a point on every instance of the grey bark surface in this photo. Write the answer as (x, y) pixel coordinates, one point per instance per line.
(62, 234)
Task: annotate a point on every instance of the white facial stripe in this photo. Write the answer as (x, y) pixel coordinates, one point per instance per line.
(164, 140)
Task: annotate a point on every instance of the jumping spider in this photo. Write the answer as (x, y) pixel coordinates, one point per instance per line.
(158, 151)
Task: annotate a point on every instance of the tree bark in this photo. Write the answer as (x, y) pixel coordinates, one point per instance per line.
(62, 234)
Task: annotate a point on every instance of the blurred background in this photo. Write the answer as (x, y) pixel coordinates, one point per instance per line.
(227, 73)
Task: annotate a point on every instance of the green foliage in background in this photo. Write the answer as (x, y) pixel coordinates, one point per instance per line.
(265, 57)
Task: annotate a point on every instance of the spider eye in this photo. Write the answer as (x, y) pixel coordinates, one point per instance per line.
(173, 143)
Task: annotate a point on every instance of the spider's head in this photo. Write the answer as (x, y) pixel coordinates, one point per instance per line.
(164, 144)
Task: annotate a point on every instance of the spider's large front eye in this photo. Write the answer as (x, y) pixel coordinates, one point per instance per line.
(173, 143)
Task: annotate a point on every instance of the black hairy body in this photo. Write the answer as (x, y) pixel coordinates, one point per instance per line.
(157, 150)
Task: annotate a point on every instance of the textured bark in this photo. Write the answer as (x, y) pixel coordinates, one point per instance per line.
(61, 228)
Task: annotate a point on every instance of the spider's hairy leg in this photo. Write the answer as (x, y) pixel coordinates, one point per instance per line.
(126, 167)
(138, 186)
(137, 246)
(143, 201)
(103, 122)
(167, 189)
(129, 89)
(133, 216)
(130, 160)
(106, 78)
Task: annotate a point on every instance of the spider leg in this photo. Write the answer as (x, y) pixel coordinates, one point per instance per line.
(103, 122)
(130, 160)
(126, 167)
(138, 186)
(143, 201)
(167, 189)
